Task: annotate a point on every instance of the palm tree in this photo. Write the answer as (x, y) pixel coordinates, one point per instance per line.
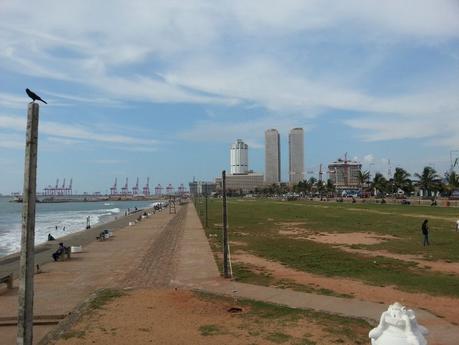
(452, 179)
(320, 187)
(330, 187)
(363, 177)
(311, 182)
(428, 180)
(379, 183)
(402, 180)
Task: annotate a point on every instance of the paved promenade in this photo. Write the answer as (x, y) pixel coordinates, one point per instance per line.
(197, 270)
(105, 264)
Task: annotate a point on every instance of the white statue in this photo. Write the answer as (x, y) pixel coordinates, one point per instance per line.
(398, 326)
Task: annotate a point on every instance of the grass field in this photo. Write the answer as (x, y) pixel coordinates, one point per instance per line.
(254, 224)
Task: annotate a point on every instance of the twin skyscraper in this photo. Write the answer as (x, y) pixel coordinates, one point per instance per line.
(273, 156)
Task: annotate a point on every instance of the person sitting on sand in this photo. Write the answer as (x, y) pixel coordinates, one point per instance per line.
(59, 251)
(51, 238)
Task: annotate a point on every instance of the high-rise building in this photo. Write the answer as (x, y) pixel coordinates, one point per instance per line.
(296, 155)
(239, 158)
(272, 157)
(344, 173)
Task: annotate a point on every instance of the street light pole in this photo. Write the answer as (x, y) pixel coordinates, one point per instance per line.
(225, 229)
(207, 208)
(26, 268)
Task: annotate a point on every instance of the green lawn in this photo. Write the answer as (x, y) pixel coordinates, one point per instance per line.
(256, 223)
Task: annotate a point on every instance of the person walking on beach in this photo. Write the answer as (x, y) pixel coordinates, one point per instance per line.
(425, 232)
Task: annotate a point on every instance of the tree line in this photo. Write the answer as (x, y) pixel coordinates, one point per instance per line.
(429, 181)
(402, 182)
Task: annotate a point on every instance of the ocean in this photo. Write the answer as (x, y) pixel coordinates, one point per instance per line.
(69, 217)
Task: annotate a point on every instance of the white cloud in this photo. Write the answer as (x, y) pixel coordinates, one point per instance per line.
(73, 133)
(11, 141)
(369, 158)
(201, 52)
(8, 100)
(108, 161)
(251, 131)
(439, 130)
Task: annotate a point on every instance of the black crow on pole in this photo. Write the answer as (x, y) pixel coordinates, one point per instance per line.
(34, 96)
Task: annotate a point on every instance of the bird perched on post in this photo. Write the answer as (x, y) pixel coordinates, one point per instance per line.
(34, 96)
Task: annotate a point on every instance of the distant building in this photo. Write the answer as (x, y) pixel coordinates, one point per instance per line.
(344, 174)
(272, 157)
(202, 188)
(239, 158)
(296, 155)
(245, 183)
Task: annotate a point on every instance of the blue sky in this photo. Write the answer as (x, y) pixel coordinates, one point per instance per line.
(162, 88)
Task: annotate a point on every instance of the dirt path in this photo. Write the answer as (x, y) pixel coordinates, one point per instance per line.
(159, 264)
(438, 266)
(443, 306)
(156, 316)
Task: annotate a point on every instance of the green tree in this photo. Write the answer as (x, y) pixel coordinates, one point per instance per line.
(428, 180)
(401, 180)
(330, 187)
(312, 184)
(452, 179)
(379, 183)
(321, 187)
(363, 177)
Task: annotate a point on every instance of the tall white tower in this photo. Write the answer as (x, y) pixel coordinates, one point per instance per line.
(272, 156)
(296, 155)
(239, 158)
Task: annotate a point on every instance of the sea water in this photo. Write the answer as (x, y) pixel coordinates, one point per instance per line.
(68, 217)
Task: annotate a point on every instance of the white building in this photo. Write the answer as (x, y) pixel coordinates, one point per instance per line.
(239, 158)
(246, 183)
(296, 155)
(344, 173)
(272, 157)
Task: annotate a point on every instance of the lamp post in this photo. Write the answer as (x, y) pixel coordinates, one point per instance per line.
(225, 229)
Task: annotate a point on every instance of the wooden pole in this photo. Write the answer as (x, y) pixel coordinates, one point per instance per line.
(225, 229)
(26, 266)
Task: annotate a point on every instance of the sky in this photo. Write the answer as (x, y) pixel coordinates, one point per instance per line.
(161, 89)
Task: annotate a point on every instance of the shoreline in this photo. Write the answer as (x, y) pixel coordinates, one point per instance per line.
(10, 263)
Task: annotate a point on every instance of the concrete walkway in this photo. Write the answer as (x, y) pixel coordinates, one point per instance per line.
(106, 264)
(197, 270)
